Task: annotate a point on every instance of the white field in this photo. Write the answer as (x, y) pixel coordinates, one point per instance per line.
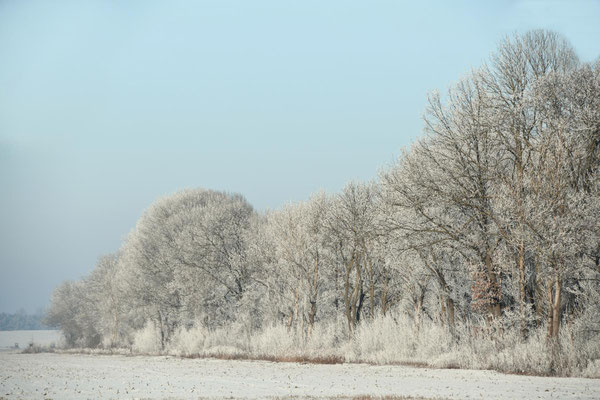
(76, 376)
(8, 339)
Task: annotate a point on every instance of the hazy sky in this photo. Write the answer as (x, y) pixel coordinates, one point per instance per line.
(106, 105)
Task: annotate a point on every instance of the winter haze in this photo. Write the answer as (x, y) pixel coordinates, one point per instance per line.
(106, 106)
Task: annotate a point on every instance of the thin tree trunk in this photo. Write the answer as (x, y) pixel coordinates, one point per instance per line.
(443, 309)
(494, 307)
(556, 307)
(450, 308)
(522, 294)
(115, 328)
(296, 312)
(418, 310)
(539, 294)
(290, 319)
(357, 296)
(371, 290)
(384, 296)
(521, 211)
(312, 312)
(162, 331)
(347, 296)
(549, 289)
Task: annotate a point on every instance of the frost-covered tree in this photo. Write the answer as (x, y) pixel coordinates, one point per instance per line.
(352, 230)
(562, 181)
(187, 261)
(107, 290)
(75, 314)
(516, 67)
(441, 192)
(301, 258)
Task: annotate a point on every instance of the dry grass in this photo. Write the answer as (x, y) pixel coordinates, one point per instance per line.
(360, 397)
(389, 397)
(286, 359)
(413, 364)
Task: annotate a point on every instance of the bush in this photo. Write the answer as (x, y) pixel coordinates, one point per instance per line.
(147, 340)
(393, 339)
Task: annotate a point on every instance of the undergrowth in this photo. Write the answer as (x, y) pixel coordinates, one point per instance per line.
(389, 340)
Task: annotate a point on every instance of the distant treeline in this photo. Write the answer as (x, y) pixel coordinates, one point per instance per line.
(21, 321)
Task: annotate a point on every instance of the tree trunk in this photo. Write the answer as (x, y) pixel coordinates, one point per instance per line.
(494, 306)
(539, 294)
(522, 294)
(443, 309)
(348, 295)
(521, 254)
(312, 312)
(450, 309)
(161, 326)
(115, 333)
(419, 309)
(296, 309)
(384, 296)
(290, 319)
(554, 312)
(311, 316)
(357, 296)
(551, 309)
(556, 307)
(372, 295)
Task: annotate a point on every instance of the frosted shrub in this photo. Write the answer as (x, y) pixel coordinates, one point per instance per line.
(274, 341)
(432, 340)
(198, 341)
(280, 342)
(188, 342)
(505, 350)
(454, 358)
(327, 339)
(592, 370)
(392, 339)
(147, 339)
(226, 352)
(518, 355)
(578, 352)
(108, 343)
(482, 346)
(383, 340)
(234, 336)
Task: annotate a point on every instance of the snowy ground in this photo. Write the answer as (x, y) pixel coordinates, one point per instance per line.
(74, 376)
(8, 339)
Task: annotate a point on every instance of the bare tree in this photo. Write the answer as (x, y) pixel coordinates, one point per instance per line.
(519, 62)
(297, 232)
(352, 231)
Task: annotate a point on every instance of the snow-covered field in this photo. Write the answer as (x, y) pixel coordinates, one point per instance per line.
(75, 376)
(8, 339)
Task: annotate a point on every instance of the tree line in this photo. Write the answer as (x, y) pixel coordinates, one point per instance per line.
(21, 320)
(493, 214)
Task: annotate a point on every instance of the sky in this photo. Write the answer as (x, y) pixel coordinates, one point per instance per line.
(107, 105)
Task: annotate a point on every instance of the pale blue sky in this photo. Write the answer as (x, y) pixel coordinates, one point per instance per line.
(106, 105)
